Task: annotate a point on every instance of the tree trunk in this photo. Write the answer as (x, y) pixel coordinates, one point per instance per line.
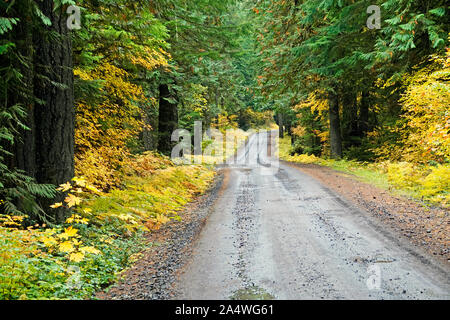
(168, 120)
(349, 119)
(288, 128)
(281, 125)
(149, 135)
(24, 146)
(351, 111)
(55, 117)
(335, 127)
(363, 125)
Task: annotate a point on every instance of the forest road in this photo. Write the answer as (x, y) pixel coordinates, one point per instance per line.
(276, 233)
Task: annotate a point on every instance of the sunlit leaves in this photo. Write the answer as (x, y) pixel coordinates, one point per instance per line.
(72, 200)
(426, 104)
(66, 247)
(65, 187)
(56, 205)
(76, 256)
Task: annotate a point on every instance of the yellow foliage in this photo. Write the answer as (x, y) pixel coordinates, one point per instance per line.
(56, 205)
(285, 153)
(403, 175)
(103, 130)
(49, 241)
(76, 257)
(75, 218)
(303, 158)
(150, 58)
(150, 201)
(66, 247)
(426, 133)
(72, 200)
(65, 187)
(147, 164)
(316, 101)
(68, 241)
(225, 122)
(8, 221)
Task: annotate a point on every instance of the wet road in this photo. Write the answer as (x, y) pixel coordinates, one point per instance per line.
(276, 233)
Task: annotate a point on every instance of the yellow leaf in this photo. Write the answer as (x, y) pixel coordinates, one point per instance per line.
(76, 242)
(65, 187)
(56, 205)
(76, 257)
(66, 247)
(90, 250)
(72, 200)
(80, 182)
(71, 232)
(68, 233)
(49, 241)
(93, 189)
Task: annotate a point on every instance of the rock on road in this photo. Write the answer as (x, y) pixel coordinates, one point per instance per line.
(276, 233)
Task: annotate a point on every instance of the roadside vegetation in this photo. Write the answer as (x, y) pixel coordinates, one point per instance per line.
(427, 183)
(373, 102)
(88, 251)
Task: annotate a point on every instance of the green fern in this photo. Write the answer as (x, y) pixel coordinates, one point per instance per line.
(6, 24)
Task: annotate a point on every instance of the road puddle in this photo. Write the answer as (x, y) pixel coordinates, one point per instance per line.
(252, 293)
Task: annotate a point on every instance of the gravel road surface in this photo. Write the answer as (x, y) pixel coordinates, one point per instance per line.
(277, 233)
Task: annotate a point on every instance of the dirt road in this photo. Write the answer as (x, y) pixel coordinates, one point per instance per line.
(277, 233)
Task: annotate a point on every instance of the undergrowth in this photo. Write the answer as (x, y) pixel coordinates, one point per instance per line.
(102, 238)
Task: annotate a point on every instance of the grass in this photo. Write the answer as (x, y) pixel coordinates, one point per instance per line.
(364, 172)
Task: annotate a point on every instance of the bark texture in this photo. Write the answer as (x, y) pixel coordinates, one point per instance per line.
(24, 146)
(55, 117)
(168, 120)
(363, 124)
(335, 127)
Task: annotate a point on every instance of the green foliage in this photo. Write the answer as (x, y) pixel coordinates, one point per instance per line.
(29, 272)
(6, 24)
(19, 193)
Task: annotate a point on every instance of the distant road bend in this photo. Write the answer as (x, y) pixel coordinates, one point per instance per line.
(276, 233)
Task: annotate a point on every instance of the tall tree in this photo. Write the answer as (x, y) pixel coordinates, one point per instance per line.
(54, 115)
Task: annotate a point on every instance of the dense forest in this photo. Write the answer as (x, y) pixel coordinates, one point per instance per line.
(91, 91)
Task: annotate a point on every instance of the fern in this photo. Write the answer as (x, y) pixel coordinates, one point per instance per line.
(19, 193)
(6, 24)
